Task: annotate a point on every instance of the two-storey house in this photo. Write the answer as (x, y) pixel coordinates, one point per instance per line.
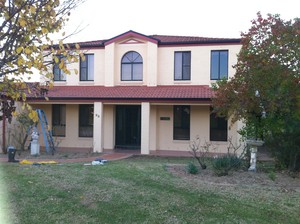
(142, 92)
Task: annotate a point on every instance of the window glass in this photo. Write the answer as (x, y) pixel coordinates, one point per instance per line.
(181, 123)
(59, 120)
(91, 67)
(178, 65)
(86, 120)
(223, 64)
(214, 65)
(182, 66)
(218, 128)
(132, 67)
(137, 72)
(126, 72)
(219, 65)
(58, 73)
(87, 68)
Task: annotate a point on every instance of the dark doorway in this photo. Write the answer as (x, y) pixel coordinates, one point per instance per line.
(128, 127)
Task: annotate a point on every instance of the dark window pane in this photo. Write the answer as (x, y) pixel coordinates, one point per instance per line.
(181, 123)
(56, 72)
(59, 120)
(186, 58)
(186, 73)
(219, 64)
(83, 76)
(182, 66)
(223, 64)
(59, 75)
(218, 128)
(86, 120)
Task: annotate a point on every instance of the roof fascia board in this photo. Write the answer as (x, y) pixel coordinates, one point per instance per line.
(197, 43)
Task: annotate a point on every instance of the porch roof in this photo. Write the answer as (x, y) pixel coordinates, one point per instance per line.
(129, 93)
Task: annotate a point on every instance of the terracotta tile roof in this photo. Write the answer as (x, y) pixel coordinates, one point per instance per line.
(165, 39)
(129, 93)
(162, 40)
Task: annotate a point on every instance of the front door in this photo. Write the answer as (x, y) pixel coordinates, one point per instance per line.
(128, 127)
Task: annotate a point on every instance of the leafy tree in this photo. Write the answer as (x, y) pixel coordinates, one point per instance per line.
(27, 28)
(20, 130)
(265, 91)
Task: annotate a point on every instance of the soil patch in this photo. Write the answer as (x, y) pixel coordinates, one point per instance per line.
(282, 180)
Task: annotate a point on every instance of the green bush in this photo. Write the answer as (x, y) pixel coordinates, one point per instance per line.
(272, 175)
(222, 165)
(235, 162)
(192, 168)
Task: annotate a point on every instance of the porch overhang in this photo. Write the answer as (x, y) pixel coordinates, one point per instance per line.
(130, 94)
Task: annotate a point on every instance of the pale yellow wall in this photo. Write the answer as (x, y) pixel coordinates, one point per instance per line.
(72, 118)
(74, 79)
(199, 128)
(153, 127)
(151, 62)
(148, 52)
(161, 131)
(109, 126)
(158, 64)
(200, 63)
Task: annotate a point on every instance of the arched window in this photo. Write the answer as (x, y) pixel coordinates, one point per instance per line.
(132, 67)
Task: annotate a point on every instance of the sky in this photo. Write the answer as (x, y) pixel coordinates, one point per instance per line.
(104, 19)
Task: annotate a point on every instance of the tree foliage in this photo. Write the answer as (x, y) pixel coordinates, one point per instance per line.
(265, 91)
(26, 31)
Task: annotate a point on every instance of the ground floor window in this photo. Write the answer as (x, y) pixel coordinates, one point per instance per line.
(181, 124)
(218, 128)
(59, 120)
(86, 120)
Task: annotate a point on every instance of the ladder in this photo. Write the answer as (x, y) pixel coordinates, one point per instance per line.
(48, 139)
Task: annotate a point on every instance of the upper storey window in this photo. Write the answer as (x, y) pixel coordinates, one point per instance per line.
(132, 67)
(182, 70)
(219, 65)
(87, 68)
(59, 74)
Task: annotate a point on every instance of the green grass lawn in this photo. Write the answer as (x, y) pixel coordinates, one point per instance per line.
(136, 190)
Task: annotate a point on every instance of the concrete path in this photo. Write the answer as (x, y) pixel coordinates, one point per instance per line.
(110, 157)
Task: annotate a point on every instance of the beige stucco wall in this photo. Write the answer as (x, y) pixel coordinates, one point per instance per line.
(199, 127)
(200, 63)
(158, 64)
(72, 118)
(109, 127)
(160, 131)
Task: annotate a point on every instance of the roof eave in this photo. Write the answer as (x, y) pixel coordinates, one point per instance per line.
(227, 41)
(118, 99)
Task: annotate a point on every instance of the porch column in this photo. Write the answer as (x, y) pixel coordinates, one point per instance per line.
(145, 135)
(98, 123)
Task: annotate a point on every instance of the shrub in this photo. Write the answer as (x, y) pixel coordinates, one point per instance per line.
(272, 175)
(222, 165)
(199, 151)
(192, 168)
